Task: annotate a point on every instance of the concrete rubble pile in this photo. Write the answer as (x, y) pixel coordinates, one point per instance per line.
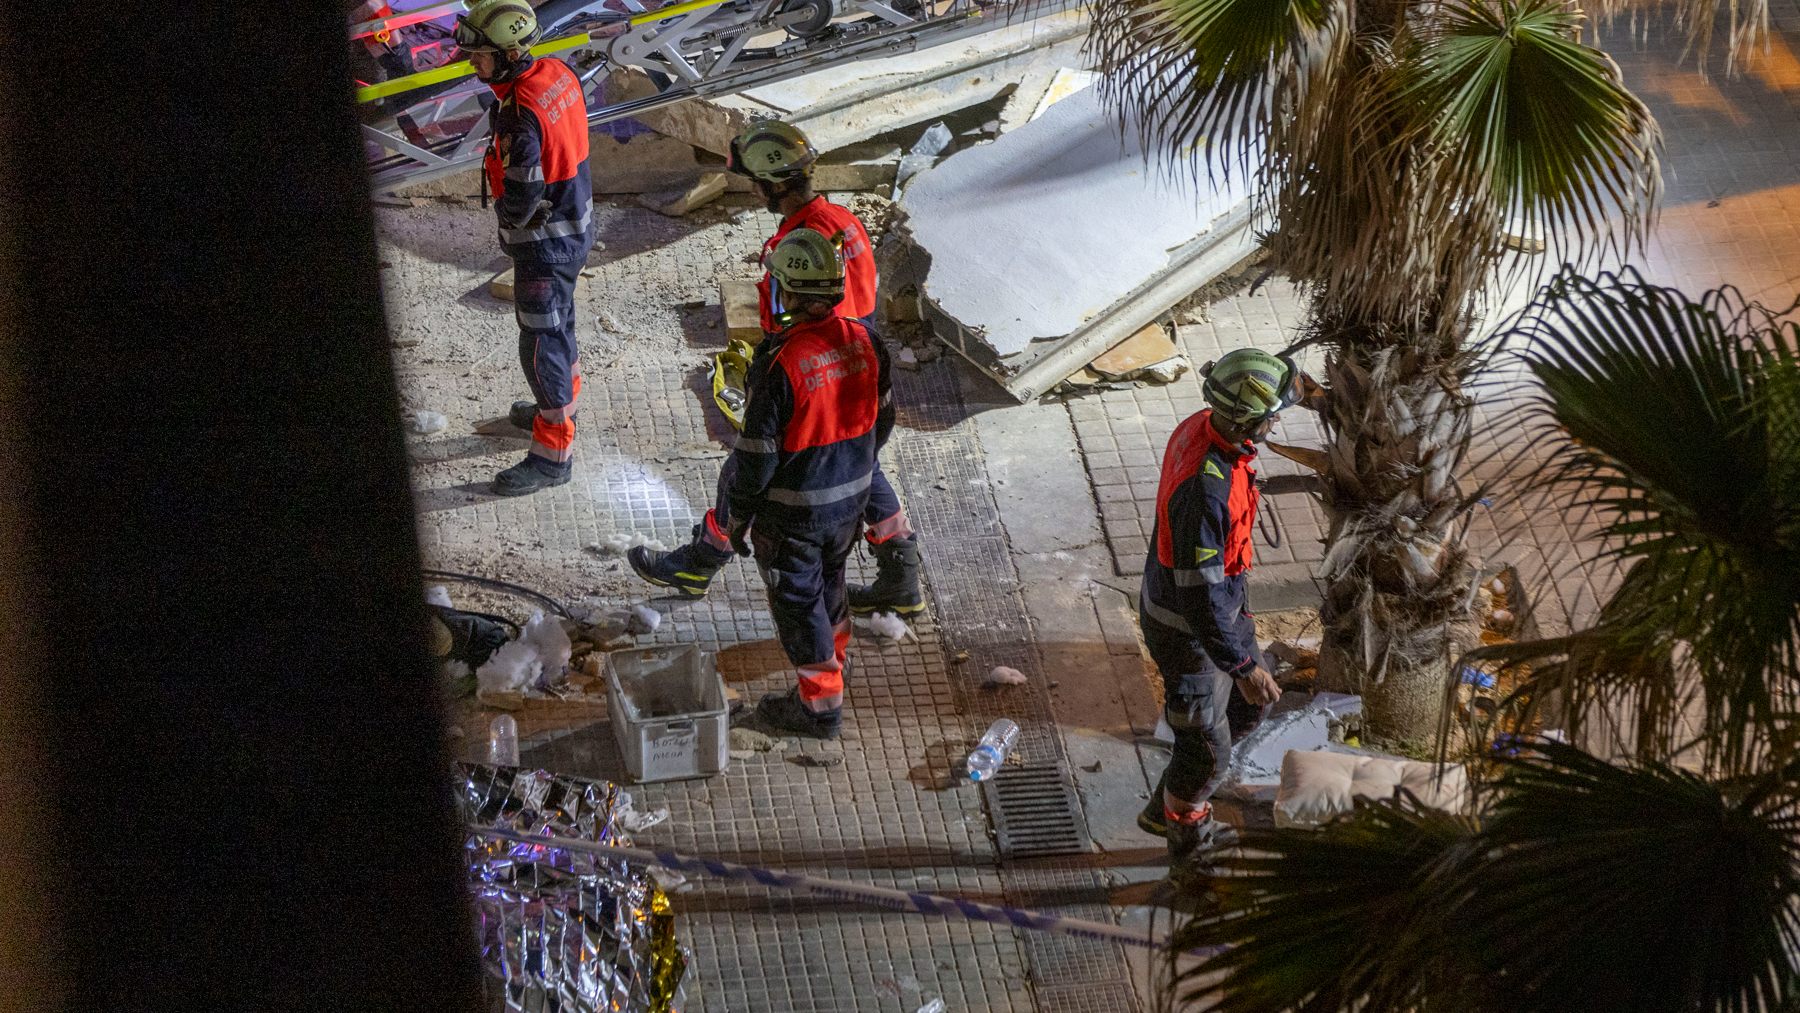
(672, 159)
(1037, 253)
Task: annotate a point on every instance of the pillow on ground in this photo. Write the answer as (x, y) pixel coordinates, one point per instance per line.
(1319, 786)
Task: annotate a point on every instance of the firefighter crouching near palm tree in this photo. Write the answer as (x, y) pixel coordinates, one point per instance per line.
(1194, 607)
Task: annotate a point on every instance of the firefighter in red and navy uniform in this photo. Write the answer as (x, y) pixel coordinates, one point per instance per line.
(1194, 605)
(778, 159)
(536, 168)
(798, 479)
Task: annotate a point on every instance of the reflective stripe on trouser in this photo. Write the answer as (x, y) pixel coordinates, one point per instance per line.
(544, 304)
(804, 572)
(884, 515)
(715, 528)
(1203, 708)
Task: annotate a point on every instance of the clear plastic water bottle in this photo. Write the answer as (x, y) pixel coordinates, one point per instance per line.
(985, 761)
(503, 741)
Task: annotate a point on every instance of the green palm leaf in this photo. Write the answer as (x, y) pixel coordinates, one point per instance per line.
(1680, 423)
(1633, 889)
(1319, 920)
(1235, 74)
(1587, 886)
(1531, 120)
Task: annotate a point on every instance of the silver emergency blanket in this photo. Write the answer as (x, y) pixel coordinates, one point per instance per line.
(565, 931)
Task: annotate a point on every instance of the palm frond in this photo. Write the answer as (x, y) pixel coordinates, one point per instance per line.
(1533, 122)
(1679, 422)
(1746, 24)
(1318, 920)
(1240, 76)
(1633, 888)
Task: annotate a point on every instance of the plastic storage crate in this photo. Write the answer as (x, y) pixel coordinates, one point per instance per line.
(668, 712)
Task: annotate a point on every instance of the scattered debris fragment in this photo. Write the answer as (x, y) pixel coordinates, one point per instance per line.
(889, 626)
(636, 821)
(745, 743)
(644, 620)
(619, 543)
(500, 286)
(1149, 354)
(934, 1006)
(668, 879)
(539, 656)
(438, 594)
(676, 203)
(742, 320)
(427, 422)
(924, 152)
(1004, 676)
(818, 760)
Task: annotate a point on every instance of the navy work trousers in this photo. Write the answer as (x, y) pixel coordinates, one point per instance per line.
(544, 304)
(1203, 707)
(803, 569)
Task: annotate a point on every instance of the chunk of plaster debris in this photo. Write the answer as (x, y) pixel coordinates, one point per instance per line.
(644, 619)
(889, 626)
(1004, 676)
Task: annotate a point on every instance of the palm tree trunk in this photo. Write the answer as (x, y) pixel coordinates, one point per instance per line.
(1399, 582)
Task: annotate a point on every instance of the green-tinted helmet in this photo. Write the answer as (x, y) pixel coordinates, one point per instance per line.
(771, 150)
(1248, 385)
(496, 26)
(806, 263)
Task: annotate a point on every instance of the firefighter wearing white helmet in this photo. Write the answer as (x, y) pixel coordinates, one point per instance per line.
(536, 169)
(797, 482)
(1194, 605)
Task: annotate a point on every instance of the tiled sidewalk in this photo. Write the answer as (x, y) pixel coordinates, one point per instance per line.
(1035, 521)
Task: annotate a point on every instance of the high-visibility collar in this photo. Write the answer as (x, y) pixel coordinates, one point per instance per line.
(1244, 449)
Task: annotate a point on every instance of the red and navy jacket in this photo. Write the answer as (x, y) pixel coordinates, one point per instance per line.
(1196, 574)
(820, 410)
(537, 165)
(827, 219)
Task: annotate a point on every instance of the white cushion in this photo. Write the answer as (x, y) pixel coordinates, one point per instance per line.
(1318, 786)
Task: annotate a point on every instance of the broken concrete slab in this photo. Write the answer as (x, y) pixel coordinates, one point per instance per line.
(1146, 350)
(1066, 82)
(742, 320)
(500, 286)
(855, 101)
(645, 163)
(676, 203)
(1040, 250)
(867, 165)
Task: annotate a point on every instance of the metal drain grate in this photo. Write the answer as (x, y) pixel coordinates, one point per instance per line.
(1033, 809)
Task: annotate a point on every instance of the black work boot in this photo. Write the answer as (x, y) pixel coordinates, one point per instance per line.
(1154, 819)
(786, 712)
(689, 568)
(896, 587)
(528, 477)
(1192, 844)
